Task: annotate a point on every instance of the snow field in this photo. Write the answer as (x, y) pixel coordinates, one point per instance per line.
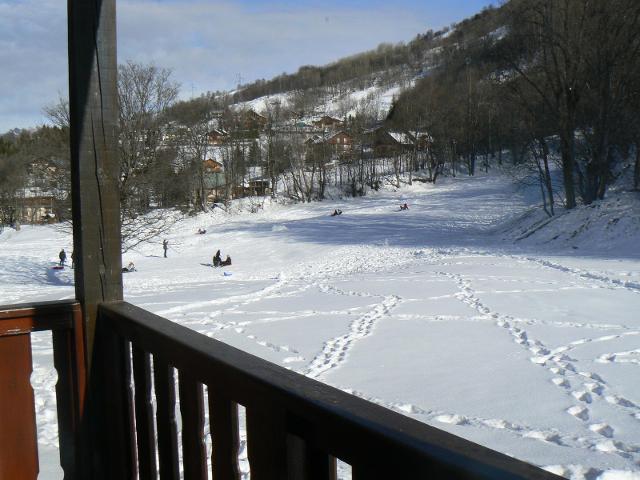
(427, 312)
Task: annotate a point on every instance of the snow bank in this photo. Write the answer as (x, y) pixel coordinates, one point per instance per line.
(610, 226)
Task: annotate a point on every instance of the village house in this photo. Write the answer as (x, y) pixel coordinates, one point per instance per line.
(37, 209)
(217, 189)
(252, 120)
(382, 142)
(326, 123)
(338, 143)
(217, 136)
(31, 207)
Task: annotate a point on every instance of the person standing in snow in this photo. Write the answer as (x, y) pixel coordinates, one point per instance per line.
(165, 246)
(63, 257)
(216, 259)
(73, 258)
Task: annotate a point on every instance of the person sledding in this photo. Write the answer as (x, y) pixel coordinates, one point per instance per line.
(404, 207)
(336, 212)
(129, 268)
(226, 262)
(216, 259)
(63, 257)
(202, 231)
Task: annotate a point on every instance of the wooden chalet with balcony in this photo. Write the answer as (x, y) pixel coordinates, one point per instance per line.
(327, 122)
(217, 136)
(120, 367)
(383, 142)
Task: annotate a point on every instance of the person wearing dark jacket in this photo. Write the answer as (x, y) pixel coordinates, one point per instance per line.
(216, 259)
(165, 246)
(226, 262)
(63, 257)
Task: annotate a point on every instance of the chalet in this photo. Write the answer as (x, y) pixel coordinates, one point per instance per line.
(326, 122)
(214, 180)
(30, 209)
(211, 166)
(217, 136)
(424, 140)
(383, 142)
(37, 209)
(252, 120)
(340, 141)
(258, 187)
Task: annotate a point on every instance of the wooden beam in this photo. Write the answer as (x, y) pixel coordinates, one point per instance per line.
(106, 448)
(95, 169)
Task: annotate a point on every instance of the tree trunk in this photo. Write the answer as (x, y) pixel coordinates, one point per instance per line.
(568, 153)
(636, 171)
(547, 175)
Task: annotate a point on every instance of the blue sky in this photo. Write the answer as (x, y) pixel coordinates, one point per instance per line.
(206, 43)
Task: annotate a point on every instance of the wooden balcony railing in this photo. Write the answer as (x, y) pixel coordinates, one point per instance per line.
(296, 427)
(18, 433)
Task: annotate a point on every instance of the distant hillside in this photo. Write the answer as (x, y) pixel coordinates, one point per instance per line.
(383, 63)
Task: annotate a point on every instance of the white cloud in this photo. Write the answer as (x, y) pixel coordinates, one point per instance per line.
(207, 44)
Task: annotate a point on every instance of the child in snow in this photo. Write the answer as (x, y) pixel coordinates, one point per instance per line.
(336, 212)
(165, 246)
(63, 257)
(226, 262)
(404, 207)
(129, 268)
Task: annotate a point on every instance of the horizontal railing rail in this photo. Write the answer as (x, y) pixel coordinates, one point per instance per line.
(296, 427)
(18, 432)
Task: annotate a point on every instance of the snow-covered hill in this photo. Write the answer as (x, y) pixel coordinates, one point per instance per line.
(375, 99)
(430, 312)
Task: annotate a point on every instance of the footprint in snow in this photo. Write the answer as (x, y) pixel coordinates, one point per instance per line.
(579, 412)
(452, 419)
(602, 428)
(583, 396)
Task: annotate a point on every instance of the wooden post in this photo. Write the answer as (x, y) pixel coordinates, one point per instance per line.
(106, 450)
(95, 169)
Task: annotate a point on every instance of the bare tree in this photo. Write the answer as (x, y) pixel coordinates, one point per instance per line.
(144, 94)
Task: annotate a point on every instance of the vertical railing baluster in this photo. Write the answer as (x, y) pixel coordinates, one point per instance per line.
(144, 415)
(110, 405)
(69, 362)
(192, 411)
(165, 388)
(18, 436)
(305, 462)
(320, 465)
(267, 442)
(223, 420)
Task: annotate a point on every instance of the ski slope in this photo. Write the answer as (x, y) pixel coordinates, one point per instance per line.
(428, 312)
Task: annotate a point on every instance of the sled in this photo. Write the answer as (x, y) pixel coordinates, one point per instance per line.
(57, 267)
(227, 274)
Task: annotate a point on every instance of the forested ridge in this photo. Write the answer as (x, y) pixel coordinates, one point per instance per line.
(545, 86)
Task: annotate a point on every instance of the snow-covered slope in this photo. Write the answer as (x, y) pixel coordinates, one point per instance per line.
(608, 226)
(429, 312)
(376, 99)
